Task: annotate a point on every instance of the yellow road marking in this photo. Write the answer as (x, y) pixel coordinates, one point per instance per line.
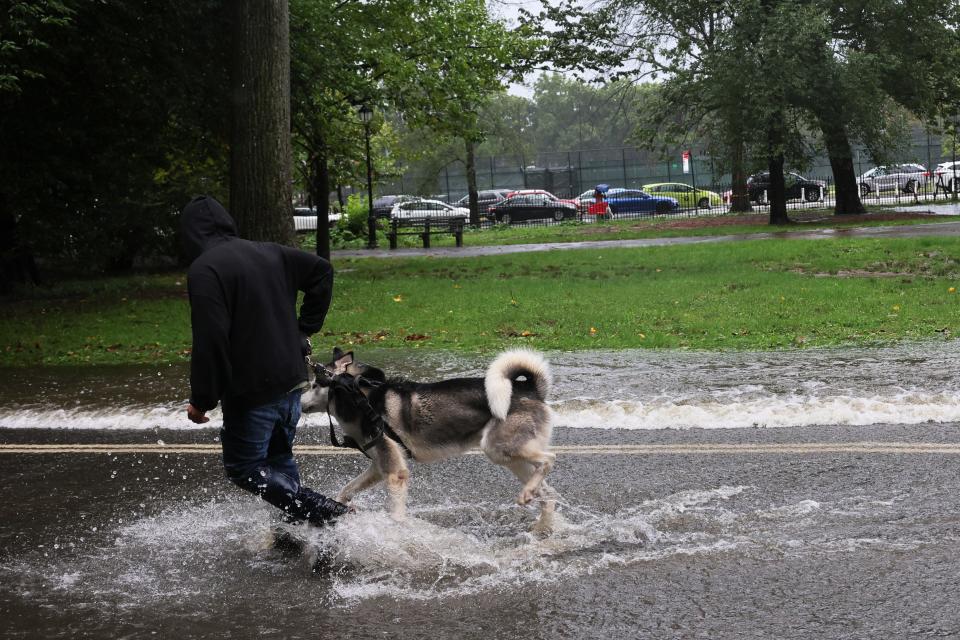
(913, 448)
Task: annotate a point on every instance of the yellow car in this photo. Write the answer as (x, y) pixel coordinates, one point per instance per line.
(686, 195)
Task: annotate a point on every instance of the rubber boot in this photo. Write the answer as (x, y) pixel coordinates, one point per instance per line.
(298, 503)
(316, 508)
(306, 506)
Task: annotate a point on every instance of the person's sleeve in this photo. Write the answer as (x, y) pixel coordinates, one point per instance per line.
(314, 277)
(210, 369)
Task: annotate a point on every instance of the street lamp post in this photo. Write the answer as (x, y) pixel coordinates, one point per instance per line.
(366, 114)
(953, 167)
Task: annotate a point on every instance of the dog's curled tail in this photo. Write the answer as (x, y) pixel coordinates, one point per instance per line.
(504, 371)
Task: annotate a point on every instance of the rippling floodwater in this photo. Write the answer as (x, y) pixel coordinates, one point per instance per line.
(613, 390)
(145, 545)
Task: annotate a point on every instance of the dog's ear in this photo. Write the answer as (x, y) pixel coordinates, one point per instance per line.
(337, 353)
(342, 361)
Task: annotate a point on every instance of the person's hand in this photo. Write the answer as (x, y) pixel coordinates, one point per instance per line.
(306, 347)
(196, 415)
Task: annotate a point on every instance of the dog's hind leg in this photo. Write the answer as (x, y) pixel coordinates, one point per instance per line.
(541, 463)
(362, 482)
(531, 474)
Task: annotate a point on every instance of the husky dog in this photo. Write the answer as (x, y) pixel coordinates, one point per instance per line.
(504, 413)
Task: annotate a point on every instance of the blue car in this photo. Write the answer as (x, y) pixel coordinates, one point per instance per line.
(635, 201)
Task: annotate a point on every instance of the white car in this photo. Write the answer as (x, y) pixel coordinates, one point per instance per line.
(946, 175)
(427, 209)
(305, 218)
(907, 178)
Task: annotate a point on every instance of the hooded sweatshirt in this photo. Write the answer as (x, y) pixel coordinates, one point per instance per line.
(243, 297)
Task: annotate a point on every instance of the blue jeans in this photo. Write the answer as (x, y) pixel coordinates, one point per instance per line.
(258, 447)
(258, 457)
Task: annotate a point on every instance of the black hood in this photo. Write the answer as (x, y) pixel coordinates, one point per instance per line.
(204, 224)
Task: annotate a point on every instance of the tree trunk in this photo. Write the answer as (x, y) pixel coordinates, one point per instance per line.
(778, 192)
(473, 196)
(261, 191)
(739, 194)
(847, 191)
(17, 265)
(320, 193)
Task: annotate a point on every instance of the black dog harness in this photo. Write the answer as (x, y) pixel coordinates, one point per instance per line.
(373, 426)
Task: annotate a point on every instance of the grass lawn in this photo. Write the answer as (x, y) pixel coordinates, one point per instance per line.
(735, 295)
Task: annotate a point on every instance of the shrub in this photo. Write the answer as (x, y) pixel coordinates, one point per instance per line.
(356, 214)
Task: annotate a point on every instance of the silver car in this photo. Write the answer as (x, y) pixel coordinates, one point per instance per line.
(905, 178)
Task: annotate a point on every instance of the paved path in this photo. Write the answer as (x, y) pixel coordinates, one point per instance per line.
(910, 231)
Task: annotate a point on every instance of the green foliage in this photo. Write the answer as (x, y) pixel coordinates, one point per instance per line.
(356, 214)
(106, 141)
(429, 64)
(27, 28)
(761, 75)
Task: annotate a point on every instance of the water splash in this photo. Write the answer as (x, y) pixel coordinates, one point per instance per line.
(444, 550)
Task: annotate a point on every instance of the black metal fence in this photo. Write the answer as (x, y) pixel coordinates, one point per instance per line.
(538, 209)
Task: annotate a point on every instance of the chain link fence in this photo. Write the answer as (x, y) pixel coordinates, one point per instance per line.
(696, 183)
(567, 173)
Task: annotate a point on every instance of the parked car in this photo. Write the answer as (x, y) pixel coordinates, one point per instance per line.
(947, 174)
(427, 209)
(532, 206)
(305, 218)
(541, 192)
(906, 178)
(383, 205)
(485, 199)
(686, 195)
(797, 187)
(636, 201)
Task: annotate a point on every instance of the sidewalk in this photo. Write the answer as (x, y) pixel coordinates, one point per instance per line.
(910, 231)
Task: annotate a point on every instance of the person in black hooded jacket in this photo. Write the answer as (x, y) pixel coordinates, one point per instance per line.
(248, 351)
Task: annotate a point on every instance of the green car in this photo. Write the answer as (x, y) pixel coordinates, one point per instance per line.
(686, 195)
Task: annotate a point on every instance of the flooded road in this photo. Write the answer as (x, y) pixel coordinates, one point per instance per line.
(788, 495)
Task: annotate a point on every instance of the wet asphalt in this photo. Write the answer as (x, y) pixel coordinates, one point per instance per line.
(826, 544)
(909, 231)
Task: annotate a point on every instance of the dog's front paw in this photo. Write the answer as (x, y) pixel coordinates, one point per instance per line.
(526, 497)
